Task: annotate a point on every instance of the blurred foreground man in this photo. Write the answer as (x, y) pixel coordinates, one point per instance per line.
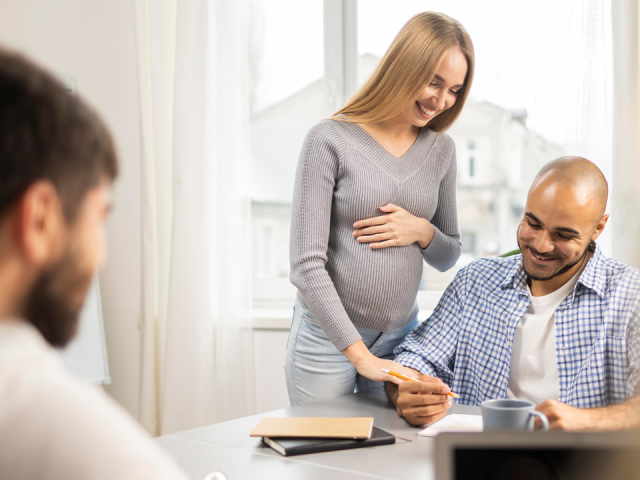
(556, 325)
(57, 163)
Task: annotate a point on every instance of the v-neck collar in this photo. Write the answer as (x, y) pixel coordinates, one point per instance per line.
(398, 168)
(378, 143)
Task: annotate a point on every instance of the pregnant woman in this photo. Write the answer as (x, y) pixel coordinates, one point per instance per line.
(375, 195)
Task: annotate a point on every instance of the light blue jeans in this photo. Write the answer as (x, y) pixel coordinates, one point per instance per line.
(316, 370)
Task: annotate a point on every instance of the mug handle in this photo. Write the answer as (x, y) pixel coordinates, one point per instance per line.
(543, 419)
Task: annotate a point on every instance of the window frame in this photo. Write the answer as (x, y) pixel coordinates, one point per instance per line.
(340, 30)
(272, 297)
(340, 52)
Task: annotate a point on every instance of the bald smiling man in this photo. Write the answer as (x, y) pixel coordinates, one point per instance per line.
(556, 325)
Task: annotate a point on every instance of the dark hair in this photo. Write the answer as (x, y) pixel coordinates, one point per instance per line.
(48, 134)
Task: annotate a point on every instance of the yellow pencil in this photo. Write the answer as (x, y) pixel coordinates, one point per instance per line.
(409, 379)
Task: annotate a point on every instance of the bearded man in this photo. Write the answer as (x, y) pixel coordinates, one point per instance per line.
(57, 163)
(556, 324)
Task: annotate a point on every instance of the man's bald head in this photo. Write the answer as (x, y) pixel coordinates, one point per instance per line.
(578, 175)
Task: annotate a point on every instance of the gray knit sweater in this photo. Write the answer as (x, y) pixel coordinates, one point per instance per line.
(343, 176)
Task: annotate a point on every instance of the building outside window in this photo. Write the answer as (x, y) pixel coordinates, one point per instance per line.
(471, 148)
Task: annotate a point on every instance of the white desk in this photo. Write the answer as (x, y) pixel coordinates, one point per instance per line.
(227, 446)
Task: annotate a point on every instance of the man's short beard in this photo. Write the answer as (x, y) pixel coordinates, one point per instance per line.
(48, 306)
(564, 269)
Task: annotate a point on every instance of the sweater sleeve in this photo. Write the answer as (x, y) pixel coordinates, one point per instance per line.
(316, 175)
(445, 247)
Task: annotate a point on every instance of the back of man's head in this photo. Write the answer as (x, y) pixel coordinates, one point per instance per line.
(46, 133)
(57, 162)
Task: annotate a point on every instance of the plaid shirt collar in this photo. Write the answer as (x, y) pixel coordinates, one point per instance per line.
(593, 276)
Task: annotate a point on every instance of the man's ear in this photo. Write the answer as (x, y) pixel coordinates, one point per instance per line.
(40, 224)
(600, 227)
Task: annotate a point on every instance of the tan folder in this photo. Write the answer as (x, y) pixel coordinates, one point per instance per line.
(322, 427)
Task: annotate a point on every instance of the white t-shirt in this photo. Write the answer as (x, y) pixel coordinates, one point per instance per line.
(534, 365)
(53, 427)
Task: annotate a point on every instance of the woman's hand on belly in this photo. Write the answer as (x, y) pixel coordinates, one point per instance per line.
(370, 366)
(397, 228)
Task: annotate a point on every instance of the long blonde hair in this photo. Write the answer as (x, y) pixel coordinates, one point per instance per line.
(409, 64)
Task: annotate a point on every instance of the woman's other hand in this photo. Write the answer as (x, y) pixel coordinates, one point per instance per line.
(397, 228)
(370, 366)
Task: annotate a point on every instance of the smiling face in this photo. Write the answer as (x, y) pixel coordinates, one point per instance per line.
(559, 223)
(441, 93)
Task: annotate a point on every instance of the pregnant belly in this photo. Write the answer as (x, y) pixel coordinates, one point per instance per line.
(377, 282)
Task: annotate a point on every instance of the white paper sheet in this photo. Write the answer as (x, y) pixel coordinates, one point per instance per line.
(454, 423)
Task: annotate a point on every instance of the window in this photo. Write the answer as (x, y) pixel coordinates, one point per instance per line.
(471, 148)
(516, 119)
(286, 100)
(469, 152)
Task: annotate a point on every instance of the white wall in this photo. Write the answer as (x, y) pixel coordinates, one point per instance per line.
(95, 42)
(271, 387)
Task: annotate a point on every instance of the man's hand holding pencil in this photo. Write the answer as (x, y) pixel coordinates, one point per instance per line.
(423, 401)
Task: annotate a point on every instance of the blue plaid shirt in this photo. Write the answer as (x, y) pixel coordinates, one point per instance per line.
(468, 339)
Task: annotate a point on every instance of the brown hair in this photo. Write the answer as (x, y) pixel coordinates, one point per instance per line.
(409, 64)
(48, 134)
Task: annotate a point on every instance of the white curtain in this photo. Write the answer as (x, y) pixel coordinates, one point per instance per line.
(589, 90)
(197, 363)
